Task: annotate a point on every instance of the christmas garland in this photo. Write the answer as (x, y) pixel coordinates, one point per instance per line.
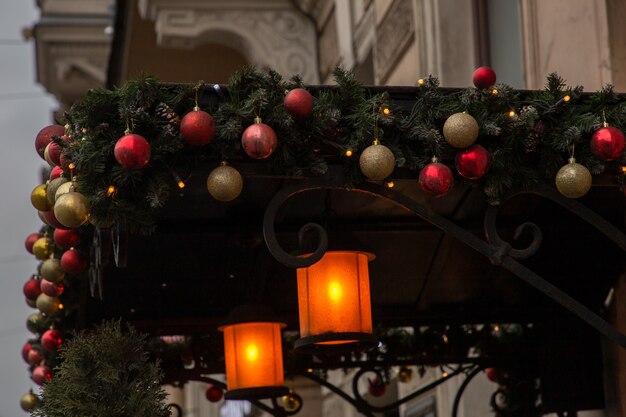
(124, 148)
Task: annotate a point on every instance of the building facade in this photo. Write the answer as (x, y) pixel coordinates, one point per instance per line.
(92, 43)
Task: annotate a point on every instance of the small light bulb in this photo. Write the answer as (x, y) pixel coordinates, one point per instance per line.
(181, 184)
(512, 113)
(623, 169)
(390, 184)
(349, 153)
(111, 190)
(420, 82)
(61, 306)
(496, 328)
(386, 111)
(445, 374)
(567, 98)
(309, 370)
(71, 165)
(494, 91)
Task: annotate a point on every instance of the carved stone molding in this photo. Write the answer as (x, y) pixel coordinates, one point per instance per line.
(394, 33)
(271, 34)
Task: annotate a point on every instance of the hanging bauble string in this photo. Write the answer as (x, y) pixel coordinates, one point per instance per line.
(213, 393)
(30, 241)
(52, 340)
(197, 127)
(132, 151)
(51, 270)
(299, 103)
(484, 77)
(73, 261)
(377, 161)
(224, 183)
(460, 130)
(42, 248)
(48, 305)
(66, 238)
(44, 137)
(573, 180)
(29, 402)
(259, 140)
(473, 162)
(436, 179)
(39, 198)
(607, 143)
(72, 209)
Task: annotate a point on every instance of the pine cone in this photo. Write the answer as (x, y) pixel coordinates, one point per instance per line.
(167, 114)
(534, 137)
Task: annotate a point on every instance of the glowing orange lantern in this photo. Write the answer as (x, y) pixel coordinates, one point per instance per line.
(334, 302)
(253, 353)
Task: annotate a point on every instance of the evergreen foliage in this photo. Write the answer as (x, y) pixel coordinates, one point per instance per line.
(527, 147)
(105, 373)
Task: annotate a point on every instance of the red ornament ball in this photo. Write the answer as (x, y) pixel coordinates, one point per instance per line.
(484, 77)
(53, 153)
(607, 143)
(52, 340)
(35, 357)
(30, 241)
(259, 140)
(132, 151)
(197, 128)
(472, 162)
(492, 374)
(44, 137)
(299, 103)
(52, 289)
(42, 374)
(66, 238)
(50, 219)
(32, 289)
(56, 172)
(436, 179)
(73, 261)
(376, 388)
(25, 350)
(213, 393)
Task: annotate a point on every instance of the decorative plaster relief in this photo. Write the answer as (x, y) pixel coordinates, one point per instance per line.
(395, 32)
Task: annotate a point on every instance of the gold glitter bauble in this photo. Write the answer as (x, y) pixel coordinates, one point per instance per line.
(460, 130)
(51, 270)
(42, 248)
(33, 321)
(405, 374)
(62, 189)
(29, 402)
(290, 402)
(377, 162)
(72, 209)
(39, 199)
(48, 305)
(573, 180)
(224, 183)
(53, 187)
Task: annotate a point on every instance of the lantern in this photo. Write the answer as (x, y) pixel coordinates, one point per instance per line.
(253, 354)
(334, 303)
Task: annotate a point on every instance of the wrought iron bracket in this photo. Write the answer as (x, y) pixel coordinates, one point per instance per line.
(494, 248)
